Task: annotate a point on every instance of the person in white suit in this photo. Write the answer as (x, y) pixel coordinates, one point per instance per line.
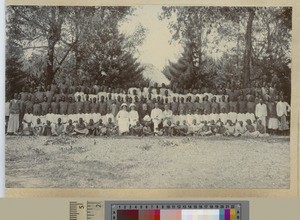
(261, 112)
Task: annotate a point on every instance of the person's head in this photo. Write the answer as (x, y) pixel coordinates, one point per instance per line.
(177, 123)
(156, 105)
(197, 99)
(16, 96)
(223, 98)
(124, 106)
(109, 96)
(181, 112)
(174, 99)
(184, 122)
(182, 100)
(86, 97)
(79, 98)
(80, 120)
(249, 122)
(132, 107)
(136, 99)
(100, 121)
(102, 98)
(70, 122)
(149, 96)
(59, 120)
(109, 120)
(91, 121)
(260, 101)
(38, 120)
(259, 122)
(194, 122)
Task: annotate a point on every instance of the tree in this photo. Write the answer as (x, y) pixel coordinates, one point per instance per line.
(60, 43)
(248, 48)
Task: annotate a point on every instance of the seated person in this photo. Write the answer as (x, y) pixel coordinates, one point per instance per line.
(28, 131)
(205, 131)
(70, 128)
(147, 129)
(230, 128)
(182, 130)
(100, 128)
(194, 128)
(261, 129)
(112, 129)
(91, 127)
(221, 129)
(38, 127)
(136, 129)
(239, 129)
(168, 128)
(250, 129)
(80, 128)
(47, 129)
(58, 128)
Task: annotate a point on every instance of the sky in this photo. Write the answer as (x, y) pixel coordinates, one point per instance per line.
(156, 48)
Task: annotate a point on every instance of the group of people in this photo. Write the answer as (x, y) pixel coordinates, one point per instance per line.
(151, 110)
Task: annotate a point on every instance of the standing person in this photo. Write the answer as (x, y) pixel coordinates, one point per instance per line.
(282, 109)
(123, 120)
(14, 111)
(261, 112)
(156, 116)
(215, 108)
(273, 122)
(206, 105)
(224, 105)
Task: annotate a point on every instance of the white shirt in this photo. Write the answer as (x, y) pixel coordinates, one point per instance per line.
(133, 117)
(282, 108)
(261, 110)
(156, 114)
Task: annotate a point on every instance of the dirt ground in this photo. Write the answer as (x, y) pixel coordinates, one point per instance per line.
(152, 162)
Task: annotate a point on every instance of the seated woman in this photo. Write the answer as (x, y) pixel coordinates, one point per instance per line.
(80, 128)
(194, 128)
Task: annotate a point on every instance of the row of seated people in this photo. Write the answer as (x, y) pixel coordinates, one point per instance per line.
(204, 128)
(125, 120)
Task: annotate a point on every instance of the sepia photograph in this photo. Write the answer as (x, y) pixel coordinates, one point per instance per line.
(148, 96)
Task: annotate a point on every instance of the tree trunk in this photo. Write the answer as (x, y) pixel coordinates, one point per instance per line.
(248, 48)
(54, 35)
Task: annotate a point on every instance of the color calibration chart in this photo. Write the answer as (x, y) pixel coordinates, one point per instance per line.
(180, 210)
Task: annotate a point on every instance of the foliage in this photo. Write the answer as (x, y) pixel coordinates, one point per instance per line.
(216, 38)
(59, 43)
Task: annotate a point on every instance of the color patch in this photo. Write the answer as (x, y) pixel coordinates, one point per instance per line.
(149, 215)
(128, 215)
(170, 214)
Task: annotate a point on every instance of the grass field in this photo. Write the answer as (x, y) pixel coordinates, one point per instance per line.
(152, 162)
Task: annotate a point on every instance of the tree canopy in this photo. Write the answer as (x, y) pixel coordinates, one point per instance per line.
(70, 43)
(236, 45)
